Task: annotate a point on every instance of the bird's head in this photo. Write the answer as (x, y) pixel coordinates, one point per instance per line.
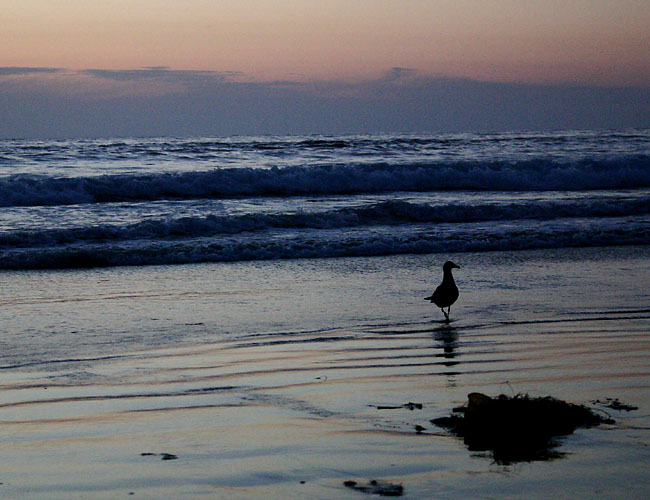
(449, 265)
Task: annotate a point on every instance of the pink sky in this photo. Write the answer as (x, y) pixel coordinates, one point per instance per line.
(599, 42)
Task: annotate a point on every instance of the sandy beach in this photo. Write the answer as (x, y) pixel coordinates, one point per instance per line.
(276, 412)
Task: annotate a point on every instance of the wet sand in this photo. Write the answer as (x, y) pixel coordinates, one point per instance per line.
(266, 415)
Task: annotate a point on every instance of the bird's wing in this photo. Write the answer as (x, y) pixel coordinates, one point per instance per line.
(434, 296)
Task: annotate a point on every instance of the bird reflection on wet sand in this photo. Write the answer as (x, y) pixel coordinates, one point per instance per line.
(447, 338)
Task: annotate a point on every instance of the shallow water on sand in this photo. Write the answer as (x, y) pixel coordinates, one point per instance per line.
(258, 376)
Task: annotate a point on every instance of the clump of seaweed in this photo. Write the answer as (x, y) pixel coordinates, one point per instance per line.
(518, 428)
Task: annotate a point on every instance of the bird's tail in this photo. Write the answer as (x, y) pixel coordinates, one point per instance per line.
(430, 299)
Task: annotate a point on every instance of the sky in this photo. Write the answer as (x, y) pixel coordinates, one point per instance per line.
(206, 67)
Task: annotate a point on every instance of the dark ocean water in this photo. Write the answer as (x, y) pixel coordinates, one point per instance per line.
(112, 202)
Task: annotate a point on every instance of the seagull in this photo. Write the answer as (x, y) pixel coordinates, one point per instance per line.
(447, 292)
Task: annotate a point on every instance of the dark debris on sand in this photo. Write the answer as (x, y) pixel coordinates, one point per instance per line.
(377, 487)
(409, 406)
(615, 404)
(163, 456)
(519, 428)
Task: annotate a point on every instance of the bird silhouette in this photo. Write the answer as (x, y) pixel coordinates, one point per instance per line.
(447, 292)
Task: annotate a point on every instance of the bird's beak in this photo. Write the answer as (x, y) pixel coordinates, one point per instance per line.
(456, 267)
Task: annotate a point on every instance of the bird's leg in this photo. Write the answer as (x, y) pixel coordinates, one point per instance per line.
(445, 313)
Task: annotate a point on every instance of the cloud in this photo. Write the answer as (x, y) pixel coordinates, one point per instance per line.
(161, 80)
(18, 71)
(395, 74)
(158, 101)
(161, 74)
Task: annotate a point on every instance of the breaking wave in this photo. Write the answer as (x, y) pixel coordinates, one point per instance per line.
(384, 213)
(315, 243)
(491, 175)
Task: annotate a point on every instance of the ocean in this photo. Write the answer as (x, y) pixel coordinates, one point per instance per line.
(253, 306)
(99, 203)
